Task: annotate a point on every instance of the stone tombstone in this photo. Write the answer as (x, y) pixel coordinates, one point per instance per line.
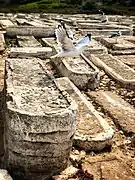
(40, 121)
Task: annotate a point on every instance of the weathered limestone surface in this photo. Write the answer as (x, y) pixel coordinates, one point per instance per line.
(28, 41)
(40, 121)
(93, 132)
(122, 113)
(4, 175)
(42, 52)
(30, 31)
(120, 72)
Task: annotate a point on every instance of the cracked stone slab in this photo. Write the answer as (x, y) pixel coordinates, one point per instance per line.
(117, 44)
(87, 21)
(30, 31)
(129, 38)
(127, 59)
(25, 83)
(122, 52)
(93, 132)
(28, 41)
(84, 75)
(120, 111)
(42, 52)
(4, 175)
(39, 118)
(108, 42)
(2, 42)
(101, 26)
(106, 32)
(36, 23)
(116, 69)
(81, 71)
(123, 45)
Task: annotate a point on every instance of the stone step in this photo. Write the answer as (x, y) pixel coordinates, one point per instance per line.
(122, 113)
(39, 118)
(116, 69)
(30, 31)
(4, 175)
(82, 72)
(2, 42)
(42, 52)
(93, 132)
(28, 41)
(127, 59)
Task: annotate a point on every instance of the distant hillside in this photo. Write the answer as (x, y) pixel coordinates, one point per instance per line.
(69, 6)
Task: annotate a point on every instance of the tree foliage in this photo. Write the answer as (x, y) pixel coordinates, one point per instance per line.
(74, 2)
